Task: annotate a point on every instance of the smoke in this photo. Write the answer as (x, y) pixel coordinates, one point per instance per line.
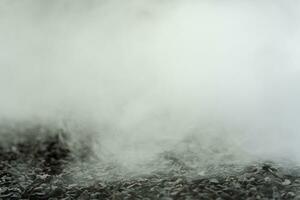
(144, 77)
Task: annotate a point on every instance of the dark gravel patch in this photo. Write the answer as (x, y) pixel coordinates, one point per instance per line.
(39, 169)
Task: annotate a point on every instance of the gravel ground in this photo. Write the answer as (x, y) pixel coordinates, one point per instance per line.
(42, 169)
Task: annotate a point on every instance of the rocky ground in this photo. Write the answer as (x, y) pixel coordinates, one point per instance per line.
(40, 169)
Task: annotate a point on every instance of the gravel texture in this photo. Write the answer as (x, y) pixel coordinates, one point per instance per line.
(43, 169)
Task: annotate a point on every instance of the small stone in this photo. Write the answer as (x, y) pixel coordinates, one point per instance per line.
(43, 177)
(237, 185)
(252, 179)
(267, 179)
(175, 193)
(213, 180)
(286, 182)
(268, 167)
(290, 194)
(253, 189)
(202, 173)
(95, 195)
(178, 181)
(84, 195)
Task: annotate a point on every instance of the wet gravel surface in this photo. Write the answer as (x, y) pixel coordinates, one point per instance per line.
(40, 169)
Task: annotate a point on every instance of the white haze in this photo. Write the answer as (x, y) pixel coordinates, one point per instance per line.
(140, 76)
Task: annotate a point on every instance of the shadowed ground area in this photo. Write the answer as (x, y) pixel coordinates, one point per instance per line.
(46, 168)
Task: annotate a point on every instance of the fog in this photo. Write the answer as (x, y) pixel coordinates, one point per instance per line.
(141, 77)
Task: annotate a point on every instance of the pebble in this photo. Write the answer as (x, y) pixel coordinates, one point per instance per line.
(84, 195)
(286, 182)
(267, 179)
(290, 194)
(214, 180)
(252, 179)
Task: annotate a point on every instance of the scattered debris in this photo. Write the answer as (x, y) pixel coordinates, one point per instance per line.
(38, 170)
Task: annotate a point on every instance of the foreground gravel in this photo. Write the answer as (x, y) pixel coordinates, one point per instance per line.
(40, 169)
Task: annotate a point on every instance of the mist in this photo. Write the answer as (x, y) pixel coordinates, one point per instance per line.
(139, 78)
